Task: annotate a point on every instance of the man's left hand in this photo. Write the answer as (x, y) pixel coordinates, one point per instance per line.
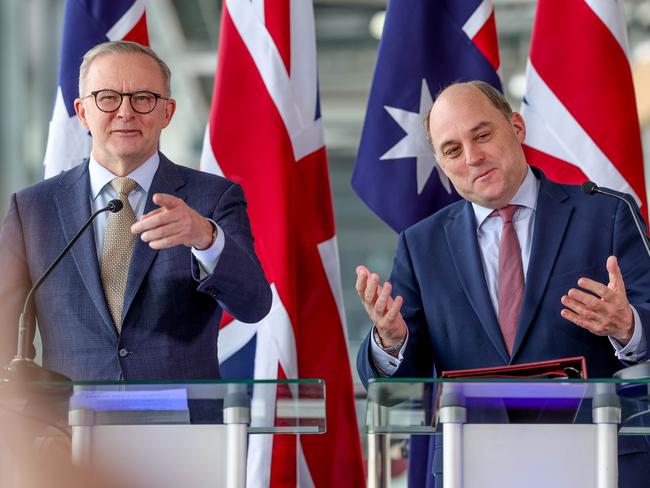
(173, 224)
(607, 312)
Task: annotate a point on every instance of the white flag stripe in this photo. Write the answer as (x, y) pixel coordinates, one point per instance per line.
(329, 255)
(553, 130)
(127, 22)
(612, 14)
(233, 337)
(304, 70)
(260, 446)
(306, 135)
(68, 142)
(304, 476)
(208, 161)
(477, 20)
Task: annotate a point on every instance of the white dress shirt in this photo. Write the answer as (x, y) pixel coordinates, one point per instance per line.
(488, 233)
(101, 192)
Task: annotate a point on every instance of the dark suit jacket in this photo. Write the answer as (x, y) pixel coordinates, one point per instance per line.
(451, 321)
(171, 317)
(452, 324)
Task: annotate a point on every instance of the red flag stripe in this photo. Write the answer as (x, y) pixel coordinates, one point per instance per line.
(277, 17)
(486, 41)
(480, 27)
(139, 32)
(554, 168)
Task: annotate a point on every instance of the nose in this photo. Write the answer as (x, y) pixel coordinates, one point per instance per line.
(125, 111)
(474, 154)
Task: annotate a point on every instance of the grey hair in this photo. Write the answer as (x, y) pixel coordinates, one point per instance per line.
(121, 47)
(495, 97)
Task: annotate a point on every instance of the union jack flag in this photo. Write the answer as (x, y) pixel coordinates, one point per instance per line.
(580, 109)
(265, 132)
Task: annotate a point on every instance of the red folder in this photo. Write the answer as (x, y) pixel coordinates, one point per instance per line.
(575, 367)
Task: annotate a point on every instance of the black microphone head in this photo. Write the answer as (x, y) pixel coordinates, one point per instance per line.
(588, 187)
(115, 205)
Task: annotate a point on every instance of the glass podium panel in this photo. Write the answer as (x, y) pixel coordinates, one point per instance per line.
(194, 433)
(282, 406)
(488, 429)
(412, 406)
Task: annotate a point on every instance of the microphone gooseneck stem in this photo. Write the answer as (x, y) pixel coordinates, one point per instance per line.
(24, 323)
(637, 222)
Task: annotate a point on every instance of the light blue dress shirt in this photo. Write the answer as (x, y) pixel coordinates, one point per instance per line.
(488, 233)
(101, 192)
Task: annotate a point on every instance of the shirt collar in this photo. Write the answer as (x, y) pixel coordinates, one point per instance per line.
(143, 175)
(526, 196)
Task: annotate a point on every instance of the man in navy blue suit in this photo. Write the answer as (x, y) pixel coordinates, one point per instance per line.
(155, 313)
(586, 286)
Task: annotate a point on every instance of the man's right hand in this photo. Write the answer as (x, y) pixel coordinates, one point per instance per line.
(383, 310)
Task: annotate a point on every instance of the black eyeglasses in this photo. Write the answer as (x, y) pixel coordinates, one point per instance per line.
(142, 102)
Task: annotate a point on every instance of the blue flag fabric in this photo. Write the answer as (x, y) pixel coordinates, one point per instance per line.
(423, 49)
(86, 23)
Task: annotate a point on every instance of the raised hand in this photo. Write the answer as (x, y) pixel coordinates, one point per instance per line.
(383, 310)
(608, 313)
(174, 223)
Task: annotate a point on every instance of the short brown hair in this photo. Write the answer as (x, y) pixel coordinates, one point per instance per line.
(120, 47)
(493, 95)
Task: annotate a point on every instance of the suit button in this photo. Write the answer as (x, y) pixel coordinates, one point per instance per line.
(123, 352)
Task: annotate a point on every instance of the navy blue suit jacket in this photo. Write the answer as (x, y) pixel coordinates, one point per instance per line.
(171, 317)
(452, 323)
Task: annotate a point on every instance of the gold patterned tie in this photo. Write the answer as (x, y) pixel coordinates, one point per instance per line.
(118, 247)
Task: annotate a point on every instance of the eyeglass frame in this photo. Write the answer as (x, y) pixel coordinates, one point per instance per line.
(157, 97)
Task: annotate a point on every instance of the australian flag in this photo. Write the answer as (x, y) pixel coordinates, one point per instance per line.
(425, 45)
(86, 23)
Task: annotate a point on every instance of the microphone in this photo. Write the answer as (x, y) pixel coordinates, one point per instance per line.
(591, 188)
(21, 368)
(641, 370)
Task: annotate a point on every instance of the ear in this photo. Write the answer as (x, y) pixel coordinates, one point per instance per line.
(519, 126)
(80, 110)
(170, 108)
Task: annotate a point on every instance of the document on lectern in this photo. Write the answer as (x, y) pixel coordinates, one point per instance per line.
(562, 368)
(504, 401)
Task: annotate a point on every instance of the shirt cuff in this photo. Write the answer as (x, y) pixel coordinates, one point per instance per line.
(383, 362)
(209, 258)
(635, 350)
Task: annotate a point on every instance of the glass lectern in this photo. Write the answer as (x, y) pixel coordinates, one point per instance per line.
(136, 434)
(510, 433)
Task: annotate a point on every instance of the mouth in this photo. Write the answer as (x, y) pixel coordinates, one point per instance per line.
(126, 132)
(484, 174)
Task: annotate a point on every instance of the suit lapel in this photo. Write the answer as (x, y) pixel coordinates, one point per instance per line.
(465, 254)
(167, 180)
(72, 202)
(552, 218)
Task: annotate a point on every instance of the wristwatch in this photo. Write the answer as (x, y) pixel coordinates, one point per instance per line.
(214, 232)
(390, 350)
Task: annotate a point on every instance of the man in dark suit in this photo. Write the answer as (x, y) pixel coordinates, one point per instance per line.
(119, 306)
(584, 286)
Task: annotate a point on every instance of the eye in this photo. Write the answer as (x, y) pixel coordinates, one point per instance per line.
(107, 97)
(483, 136)
(142, 97)
(451, 152)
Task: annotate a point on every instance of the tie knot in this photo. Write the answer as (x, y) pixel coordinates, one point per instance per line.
(507, 213)
(123, 185)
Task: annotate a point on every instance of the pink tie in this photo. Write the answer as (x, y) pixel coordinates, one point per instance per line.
(511, 277)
